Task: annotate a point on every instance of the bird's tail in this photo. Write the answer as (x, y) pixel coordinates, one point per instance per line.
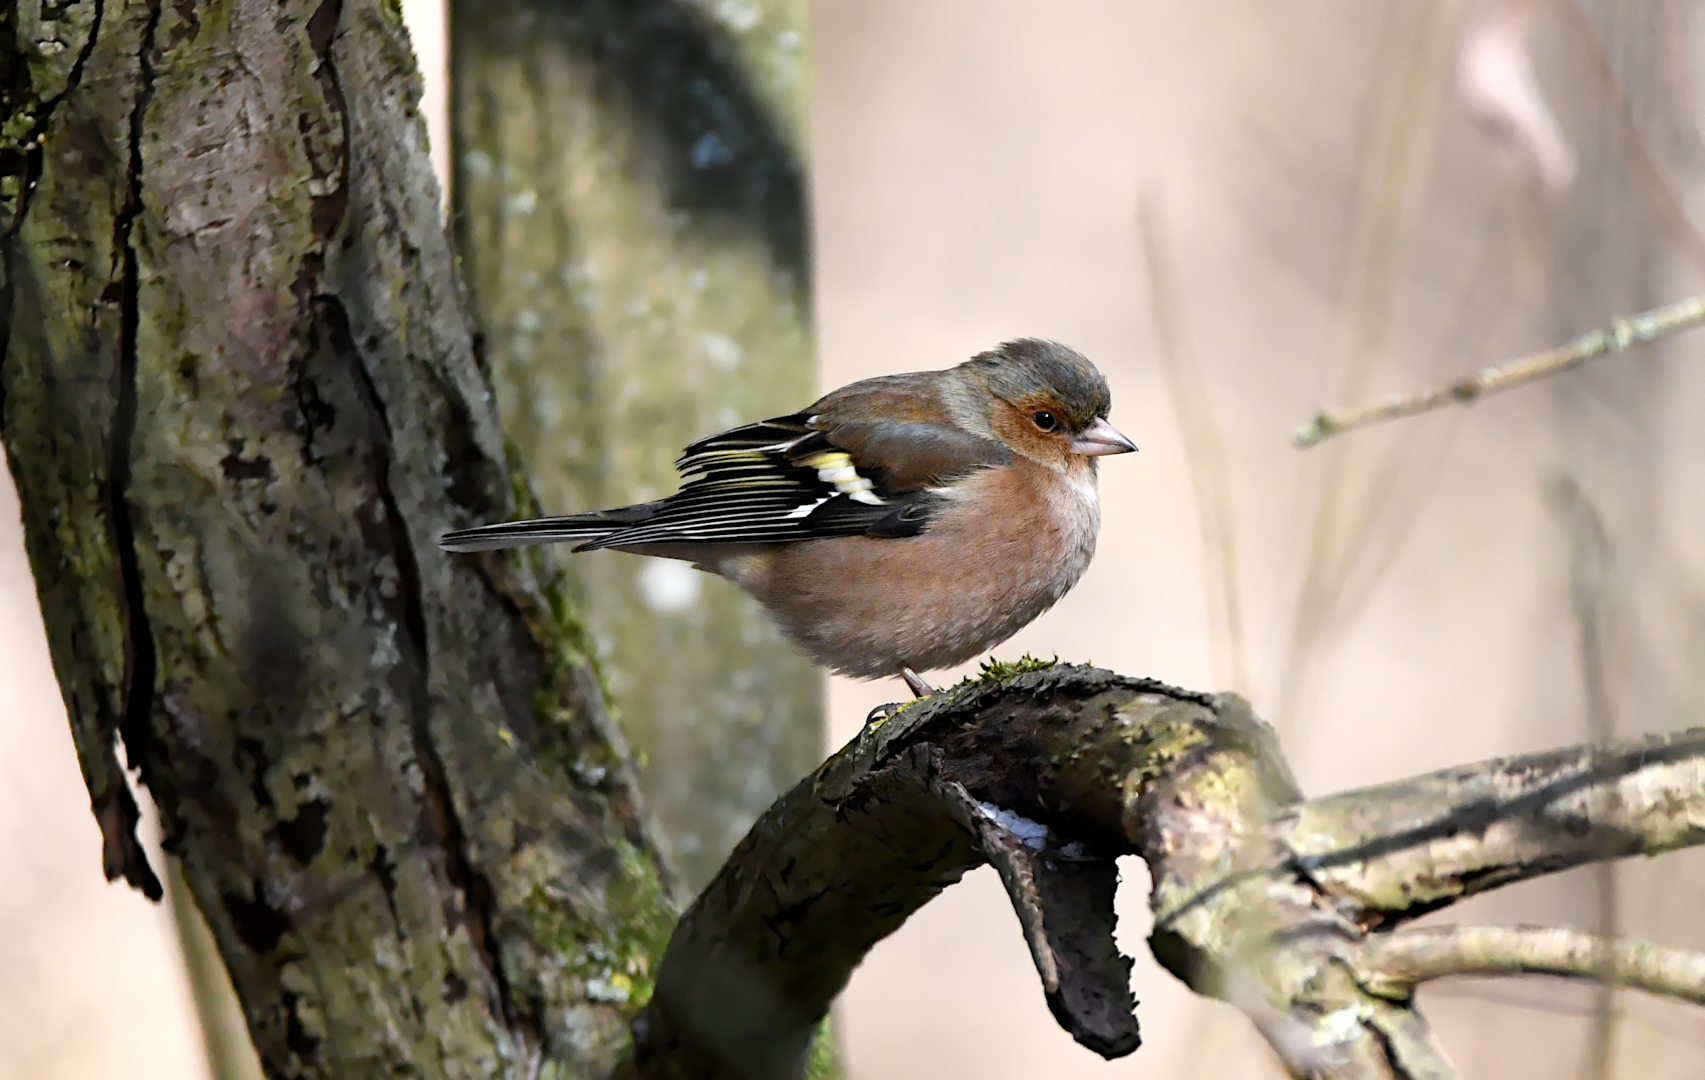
(589, 529)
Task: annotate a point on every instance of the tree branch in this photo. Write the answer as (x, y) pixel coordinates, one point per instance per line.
(1394, 964)
(1397, 851)
(1063, 769)
(1620, 336)
(1266, 901)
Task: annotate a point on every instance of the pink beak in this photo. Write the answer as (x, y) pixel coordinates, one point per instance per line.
(1101, 438)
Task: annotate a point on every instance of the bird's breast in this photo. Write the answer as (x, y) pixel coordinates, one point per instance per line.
(1008, 543)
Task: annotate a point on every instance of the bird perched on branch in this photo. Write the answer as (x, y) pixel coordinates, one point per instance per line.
(897, 525)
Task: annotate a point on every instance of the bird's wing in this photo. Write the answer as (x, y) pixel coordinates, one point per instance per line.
(804, 477)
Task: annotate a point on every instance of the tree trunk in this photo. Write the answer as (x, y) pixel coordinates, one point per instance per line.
(240, 403)
(630, 217)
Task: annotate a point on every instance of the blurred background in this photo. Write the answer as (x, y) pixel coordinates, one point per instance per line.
(1241, 210)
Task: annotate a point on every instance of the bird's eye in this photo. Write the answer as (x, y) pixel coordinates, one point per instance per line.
(1045, 420)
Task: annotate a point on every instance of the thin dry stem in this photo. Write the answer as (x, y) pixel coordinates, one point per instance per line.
(1422, 53)
(1204, 448)
(1620, 336)
(1397, 962)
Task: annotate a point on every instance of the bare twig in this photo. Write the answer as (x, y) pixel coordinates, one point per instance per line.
(1388, 196)
(1621, 335)
(1395, 963)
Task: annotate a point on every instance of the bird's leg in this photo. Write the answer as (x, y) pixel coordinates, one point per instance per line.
(918, 687)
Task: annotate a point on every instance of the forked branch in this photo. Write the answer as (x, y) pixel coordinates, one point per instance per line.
(1279, 905)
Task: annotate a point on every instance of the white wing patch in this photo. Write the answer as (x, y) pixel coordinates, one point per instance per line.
(834, 467)
(805, 510)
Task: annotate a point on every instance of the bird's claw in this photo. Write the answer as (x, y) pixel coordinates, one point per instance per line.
(882, 713)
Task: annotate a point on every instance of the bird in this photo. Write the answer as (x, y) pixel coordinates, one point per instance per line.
(901, 524)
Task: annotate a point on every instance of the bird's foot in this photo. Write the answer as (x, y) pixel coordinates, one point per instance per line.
(918, 687)
(882, 713)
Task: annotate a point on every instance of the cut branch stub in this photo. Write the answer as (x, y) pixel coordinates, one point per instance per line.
(1063, 893)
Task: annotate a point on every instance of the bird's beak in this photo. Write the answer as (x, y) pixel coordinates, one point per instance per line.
(1101, 438)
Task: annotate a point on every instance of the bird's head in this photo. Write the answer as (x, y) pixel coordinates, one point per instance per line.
(1047, 402)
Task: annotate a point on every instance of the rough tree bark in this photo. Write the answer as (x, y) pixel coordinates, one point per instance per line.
(240, 402)
(630, 218)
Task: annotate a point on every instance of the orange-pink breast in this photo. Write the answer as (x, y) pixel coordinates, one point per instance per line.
(1011, 543)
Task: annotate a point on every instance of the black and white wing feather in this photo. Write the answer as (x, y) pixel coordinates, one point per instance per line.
(779, 481)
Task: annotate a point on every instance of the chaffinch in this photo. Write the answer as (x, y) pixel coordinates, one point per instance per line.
(897, 525)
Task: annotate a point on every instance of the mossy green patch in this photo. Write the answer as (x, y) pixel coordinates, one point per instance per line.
(617, 955)
(992, 670)
(19, 128)
(824, 1062)
(567, 639)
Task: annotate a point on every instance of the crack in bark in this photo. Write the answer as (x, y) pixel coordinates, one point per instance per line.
(140, 662)
(1394, 1056)
(327, 211)
(479, 913)
(34, 142)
